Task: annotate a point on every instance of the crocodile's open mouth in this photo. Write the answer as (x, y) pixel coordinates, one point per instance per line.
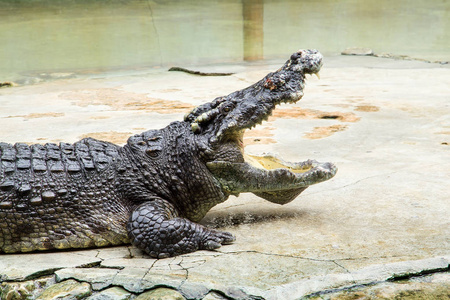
(226, 119)
(269, 176)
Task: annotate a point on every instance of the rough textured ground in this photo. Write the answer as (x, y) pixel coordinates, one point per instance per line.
(383, 218)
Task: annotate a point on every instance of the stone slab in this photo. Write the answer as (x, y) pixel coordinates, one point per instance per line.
(435, 286)
(20, 267)
(162, 294)
(69, 290)
(99, 278)
(114, 293)
(365, 276)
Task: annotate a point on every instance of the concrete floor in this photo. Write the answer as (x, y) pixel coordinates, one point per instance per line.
(385, 124)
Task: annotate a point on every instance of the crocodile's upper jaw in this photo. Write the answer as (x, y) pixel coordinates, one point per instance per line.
(244, 109)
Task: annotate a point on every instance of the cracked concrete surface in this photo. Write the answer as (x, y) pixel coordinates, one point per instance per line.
(383, 217)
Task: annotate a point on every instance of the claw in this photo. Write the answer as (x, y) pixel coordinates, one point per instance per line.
(195, 127)
(211, 245)
(228, 238)
(216, 239)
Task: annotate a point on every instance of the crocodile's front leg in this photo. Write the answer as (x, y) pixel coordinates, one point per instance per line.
(157, 228)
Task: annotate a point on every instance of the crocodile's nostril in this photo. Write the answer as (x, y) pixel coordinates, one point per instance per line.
(296, 55)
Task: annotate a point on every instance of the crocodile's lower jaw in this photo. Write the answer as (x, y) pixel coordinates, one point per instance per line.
(267, 175)
(271, 174)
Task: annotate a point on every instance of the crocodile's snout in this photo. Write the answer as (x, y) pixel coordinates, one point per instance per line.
(306, 61)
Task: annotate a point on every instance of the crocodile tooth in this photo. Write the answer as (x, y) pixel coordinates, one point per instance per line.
(317, 74)
(195, 127)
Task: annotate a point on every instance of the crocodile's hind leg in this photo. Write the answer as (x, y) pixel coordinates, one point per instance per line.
(156, 228)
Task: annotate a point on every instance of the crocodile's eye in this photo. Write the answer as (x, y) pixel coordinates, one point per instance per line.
(153, 152)
(227, 107)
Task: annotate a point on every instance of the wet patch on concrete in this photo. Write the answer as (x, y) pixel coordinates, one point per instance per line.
(301, 113)
(161, 106)
(322, 132)
(265, 134)
(120, 100)
(38, 115)
(367, 108)
(99, 117)
(169, 90)
(259, 136)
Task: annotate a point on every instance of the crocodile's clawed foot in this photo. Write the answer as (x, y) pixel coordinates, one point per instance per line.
(215, 239)
(157, 228)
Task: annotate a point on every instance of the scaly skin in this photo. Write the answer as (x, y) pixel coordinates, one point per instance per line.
(152, 191)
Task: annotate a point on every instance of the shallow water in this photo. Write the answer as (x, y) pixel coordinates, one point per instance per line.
(93, 36)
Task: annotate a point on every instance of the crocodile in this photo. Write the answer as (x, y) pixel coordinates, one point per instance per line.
(153, 191)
